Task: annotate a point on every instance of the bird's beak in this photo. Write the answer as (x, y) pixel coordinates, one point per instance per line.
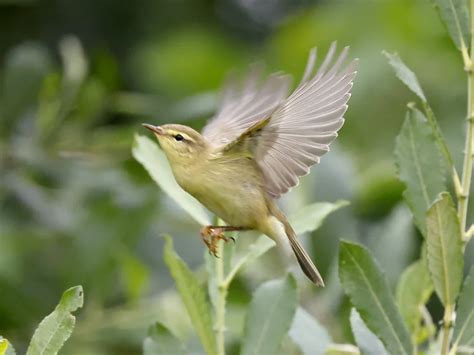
(155, 129)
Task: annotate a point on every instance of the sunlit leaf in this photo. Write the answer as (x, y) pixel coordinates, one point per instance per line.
(369, 292)
(310, 218)
(455, 15)
(367, 341)
(3, 346)
(269, 317)
(342, 349)
(419, 165)
(259, 247)
(193, 296)
(464, 328)
(413, 291)
(56, 328)
(405, 74)
(160, 341)
(444, 249)
(6, 348)
(154, 160)
(306, 332)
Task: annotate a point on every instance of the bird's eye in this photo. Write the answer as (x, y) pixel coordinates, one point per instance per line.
(178, 137)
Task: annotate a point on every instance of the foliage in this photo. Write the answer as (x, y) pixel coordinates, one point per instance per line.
(77, 208)
(418, 153)
(370, 294)
(55, 329)
(464, 329)
(265, 327)
(193, 297)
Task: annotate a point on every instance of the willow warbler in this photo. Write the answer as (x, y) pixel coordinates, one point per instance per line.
(260, 141)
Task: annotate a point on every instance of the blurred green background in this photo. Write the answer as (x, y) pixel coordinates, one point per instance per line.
(77, 78)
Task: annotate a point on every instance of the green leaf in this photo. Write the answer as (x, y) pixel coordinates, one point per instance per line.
(444, 249)
(308, 334)
(160, 341)
(310, 218)
(369, 292)
(256, 249)
(405, 74)
(269, 316)
(408, 77)
(464, 328)
(413, 291)
(57, 327)
(455, 15)
(367, 341)
(154, 161)
(419, 165)
(193, 296)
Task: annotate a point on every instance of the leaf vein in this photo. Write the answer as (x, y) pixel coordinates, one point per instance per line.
(379, 305)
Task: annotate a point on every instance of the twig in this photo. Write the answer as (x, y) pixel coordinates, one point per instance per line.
(222, 288)
(462, 191)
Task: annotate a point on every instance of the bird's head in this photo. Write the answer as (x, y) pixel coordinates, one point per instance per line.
(181, 144)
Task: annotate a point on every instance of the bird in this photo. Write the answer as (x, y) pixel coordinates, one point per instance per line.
(259, 142)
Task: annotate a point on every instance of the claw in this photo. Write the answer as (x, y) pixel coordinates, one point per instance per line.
(211, 236)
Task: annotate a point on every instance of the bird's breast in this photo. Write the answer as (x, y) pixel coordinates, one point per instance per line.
(233, 190)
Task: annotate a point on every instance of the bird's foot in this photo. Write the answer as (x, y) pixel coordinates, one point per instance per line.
(211, 235)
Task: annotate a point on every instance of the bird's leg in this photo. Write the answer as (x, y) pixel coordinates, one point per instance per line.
(212, 234)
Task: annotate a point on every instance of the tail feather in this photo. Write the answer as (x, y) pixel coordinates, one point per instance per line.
(283, 227)
(304, 260)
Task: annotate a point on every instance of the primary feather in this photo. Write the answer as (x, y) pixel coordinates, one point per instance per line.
(301, 126)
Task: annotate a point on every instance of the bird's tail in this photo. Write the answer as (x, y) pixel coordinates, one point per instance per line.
(302, 256)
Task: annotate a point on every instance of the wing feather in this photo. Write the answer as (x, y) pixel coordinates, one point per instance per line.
(301, 127)
(305, 124)
(242, 105)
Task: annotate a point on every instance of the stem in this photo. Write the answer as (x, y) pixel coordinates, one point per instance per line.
(222, 288)
(463, 190)
(447, 325)
(463, 197)
(469, 233)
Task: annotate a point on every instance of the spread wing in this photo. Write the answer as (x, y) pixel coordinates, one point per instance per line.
(244, 104)
(300, 128)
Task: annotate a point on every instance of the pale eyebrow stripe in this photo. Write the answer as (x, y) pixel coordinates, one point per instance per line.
(187, 137)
